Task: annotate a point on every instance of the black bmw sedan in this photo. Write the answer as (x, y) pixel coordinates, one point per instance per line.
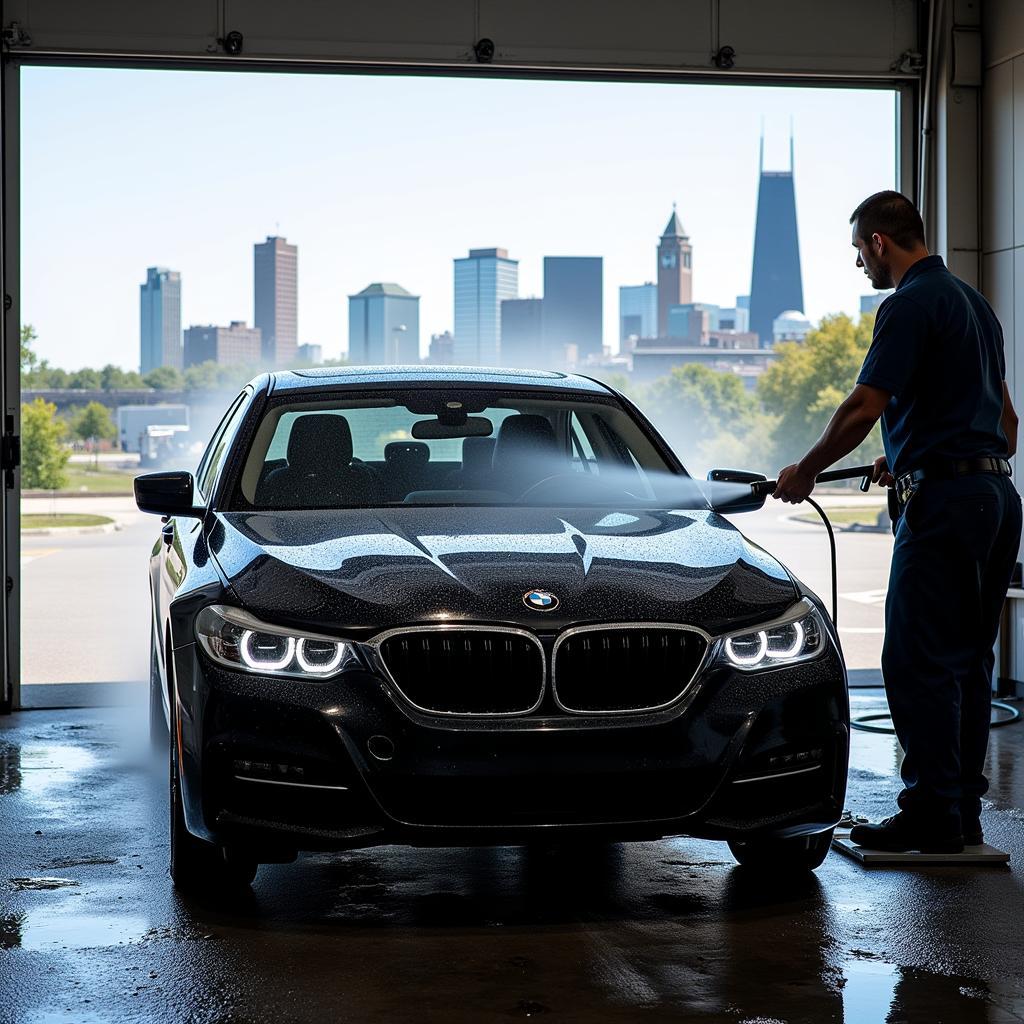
(444, 606)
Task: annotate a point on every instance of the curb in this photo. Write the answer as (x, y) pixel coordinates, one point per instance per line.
(837, 527)
(64, 531)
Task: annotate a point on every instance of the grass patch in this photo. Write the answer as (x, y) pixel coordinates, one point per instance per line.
(83, 479)
(35, 521)
(866, 515)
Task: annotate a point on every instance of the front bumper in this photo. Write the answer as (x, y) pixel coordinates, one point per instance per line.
(281, 764)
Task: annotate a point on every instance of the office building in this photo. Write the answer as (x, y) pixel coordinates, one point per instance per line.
(236, 344)
(522, 337)
(442, 349)
(160, 319)
(384, 325)
(310, 354)
(734, 318)
(638, 311)
(675, 271)
(276, 285)
(573, 307)
(776, 283)
(483, 281)
(692, 321)
(790, 325)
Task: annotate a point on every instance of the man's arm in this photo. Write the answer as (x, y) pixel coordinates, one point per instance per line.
(1009, 422)
(850, 424)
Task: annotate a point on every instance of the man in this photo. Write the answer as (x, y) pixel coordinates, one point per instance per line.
(935, 373)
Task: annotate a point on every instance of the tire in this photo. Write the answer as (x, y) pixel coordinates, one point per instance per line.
(198, 866)
(803, 853)
(158, 732)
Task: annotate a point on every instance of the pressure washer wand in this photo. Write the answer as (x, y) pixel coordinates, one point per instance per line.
(766, 487)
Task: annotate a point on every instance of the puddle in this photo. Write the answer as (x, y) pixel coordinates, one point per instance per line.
(875, 991)
(46, 765)
(80, 931)
(869, 989)
(43, 884)
(10, 768)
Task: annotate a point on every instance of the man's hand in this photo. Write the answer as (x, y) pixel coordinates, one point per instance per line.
(881, 475)
(793, 484)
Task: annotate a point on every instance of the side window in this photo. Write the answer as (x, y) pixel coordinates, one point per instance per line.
(209, 467)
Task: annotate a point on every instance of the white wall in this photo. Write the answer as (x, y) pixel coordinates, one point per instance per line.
(1002, 179)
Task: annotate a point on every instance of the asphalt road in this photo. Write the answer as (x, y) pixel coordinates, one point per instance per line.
(85, 596)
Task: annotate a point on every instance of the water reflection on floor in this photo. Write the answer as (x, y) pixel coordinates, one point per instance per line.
(666, 931)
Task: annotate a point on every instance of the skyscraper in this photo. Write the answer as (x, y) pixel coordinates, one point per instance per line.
(675, 270)
(160, 319)
(276, 284)
(638, 311)
(573, 307)
(237, 344)
(483, 280)
(522, 340)
(384, 325)
(776, 283)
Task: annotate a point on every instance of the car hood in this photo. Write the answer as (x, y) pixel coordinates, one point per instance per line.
(363, 570)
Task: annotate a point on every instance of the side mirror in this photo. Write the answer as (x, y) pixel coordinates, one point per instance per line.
(166, 494)
(734, 492)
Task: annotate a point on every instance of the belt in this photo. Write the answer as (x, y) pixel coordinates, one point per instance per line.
(948, 470)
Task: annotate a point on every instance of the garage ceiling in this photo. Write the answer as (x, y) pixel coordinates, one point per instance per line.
(820, 38)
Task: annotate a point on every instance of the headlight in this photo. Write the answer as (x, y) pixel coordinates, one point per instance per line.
(782, 643)
(238, 640)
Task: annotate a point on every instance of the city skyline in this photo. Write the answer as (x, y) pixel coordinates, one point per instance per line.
(361, 214)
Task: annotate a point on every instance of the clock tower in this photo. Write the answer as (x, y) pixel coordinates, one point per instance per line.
(675, 271)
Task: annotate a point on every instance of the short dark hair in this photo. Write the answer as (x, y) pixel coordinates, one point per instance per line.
(892, 214)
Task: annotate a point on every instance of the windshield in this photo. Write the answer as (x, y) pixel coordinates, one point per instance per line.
(453, 447)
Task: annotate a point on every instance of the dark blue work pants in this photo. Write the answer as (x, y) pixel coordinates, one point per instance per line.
(955, 548)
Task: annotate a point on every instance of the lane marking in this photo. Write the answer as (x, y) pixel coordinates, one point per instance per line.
(874, 630)
(31, 554)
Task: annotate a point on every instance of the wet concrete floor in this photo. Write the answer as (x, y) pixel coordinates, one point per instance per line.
(91, 931)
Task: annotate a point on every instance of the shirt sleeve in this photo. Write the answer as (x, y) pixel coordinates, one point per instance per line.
(897, 345)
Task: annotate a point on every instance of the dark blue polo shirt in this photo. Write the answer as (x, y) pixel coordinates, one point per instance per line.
(938, 350)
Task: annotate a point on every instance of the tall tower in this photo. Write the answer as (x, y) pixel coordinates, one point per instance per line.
(275, 278)
(160, 319)
(776, 283)
(483, 280)
(675, 270)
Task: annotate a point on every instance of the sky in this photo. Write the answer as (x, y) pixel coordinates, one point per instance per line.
(386, 178)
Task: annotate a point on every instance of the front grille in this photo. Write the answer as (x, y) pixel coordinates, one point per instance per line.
(611, 669)
(467, 671)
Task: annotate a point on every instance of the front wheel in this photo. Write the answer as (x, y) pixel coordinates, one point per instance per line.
(801, 853)
(197, 865)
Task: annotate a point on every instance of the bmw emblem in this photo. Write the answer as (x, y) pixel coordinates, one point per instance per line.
(540, 600)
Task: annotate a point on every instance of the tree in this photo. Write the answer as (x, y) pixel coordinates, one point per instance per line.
(164, 378)
(43, 457)
(113, 378)
(810, 379)
(709, 418)
(93, 424)
(28, 358)
(85, 379)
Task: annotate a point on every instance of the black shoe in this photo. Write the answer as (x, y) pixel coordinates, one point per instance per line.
(973, 835)
(899, 834)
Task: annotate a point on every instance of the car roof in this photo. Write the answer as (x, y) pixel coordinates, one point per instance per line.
(324, 377)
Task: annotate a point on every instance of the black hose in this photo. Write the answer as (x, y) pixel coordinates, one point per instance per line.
(861, 721)
(832, 548)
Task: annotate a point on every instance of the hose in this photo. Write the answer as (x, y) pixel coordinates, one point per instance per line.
(863, 722)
